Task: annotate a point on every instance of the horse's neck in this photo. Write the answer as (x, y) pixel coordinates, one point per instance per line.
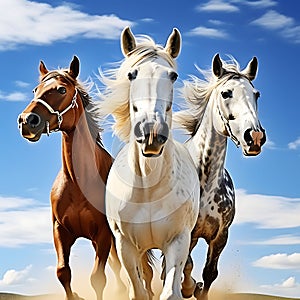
(208, 149)
(150, 169)
(82, 158)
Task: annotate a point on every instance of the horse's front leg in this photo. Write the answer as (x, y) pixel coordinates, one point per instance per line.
(132, 263)
(147, 273)
(101, 245)
(189, 283)
(176, 253)
(63, 242)
(115, 265)
(210, 271)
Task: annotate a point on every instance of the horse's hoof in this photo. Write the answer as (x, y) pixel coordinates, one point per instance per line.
(188, 292)
(198, 289)
(76, 297)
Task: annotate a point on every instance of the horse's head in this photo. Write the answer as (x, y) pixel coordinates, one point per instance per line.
(151, 93)
(52, 107)
(236, 106)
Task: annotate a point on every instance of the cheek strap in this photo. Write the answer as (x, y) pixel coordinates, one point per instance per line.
(57, 113)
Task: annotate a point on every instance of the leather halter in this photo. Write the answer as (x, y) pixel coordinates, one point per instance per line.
(56, 112)
(223, 118)
(228, 128)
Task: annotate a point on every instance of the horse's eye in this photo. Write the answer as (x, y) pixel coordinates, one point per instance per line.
(169, 107)
(173, 76)
(62, 90)
(227, 94)
(132, 75)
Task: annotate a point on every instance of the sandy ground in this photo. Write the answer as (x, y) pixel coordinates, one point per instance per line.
(111, 295)
(84, 290)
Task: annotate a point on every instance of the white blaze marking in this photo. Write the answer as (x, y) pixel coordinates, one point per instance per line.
(49, 81)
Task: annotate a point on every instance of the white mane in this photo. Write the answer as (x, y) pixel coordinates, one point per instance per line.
(197, 92)
(115, 97)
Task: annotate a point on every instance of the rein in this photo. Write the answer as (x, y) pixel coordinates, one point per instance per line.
(58, 113)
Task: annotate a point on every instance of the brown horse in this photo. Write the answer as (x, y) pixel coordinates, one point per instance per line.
(77, 196)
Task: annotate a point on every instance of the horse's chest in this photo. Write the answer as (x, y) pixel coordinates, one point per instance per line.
(157, 234)
(72, 211)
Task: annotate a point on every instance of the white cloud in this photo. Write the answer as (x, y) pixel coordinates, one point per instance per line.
(216, 22)
(217, 6)
(51, 269)
(267, 211)
(292, 34)
(147, 20)
(208, 32)
(13, 96)
(273, 20)
(257, 4)
(294, 145)
(287, 239)
(285, 25)
(270, 144)
(279, 261)
(289, 283)
(24, 221)
(287, 287)
(41, 23)
(13, 277)
(22, 84)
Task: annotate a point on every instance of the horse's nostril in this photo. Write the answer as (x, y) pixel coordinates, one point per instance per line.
(33, 120)
(161, 139)
(138, 132)
(247, 137)
(163, 133)
(254, 137)
(20, 119)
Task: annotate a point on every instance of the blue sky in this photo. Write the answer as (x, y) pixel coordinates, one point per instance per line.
(263, 252)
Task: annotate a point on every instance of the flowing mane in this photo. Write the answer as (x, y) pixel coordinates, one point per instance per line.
(92, 110)
(198, 91)
(115, 97)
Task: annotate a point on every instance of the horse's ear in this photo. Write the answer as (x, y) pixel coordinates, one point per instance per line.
(251, 70)
(74, 67)
(128, 43)
(217, 66)
(42, 68)
(173, 44)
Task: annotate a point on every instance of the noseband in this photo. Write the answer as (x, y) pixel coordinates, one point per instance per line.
(56, 112)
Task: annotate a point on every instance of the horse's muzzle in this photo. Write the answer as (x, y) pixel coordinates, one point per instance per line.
(31, 126)
(152, 136)
(255, 140)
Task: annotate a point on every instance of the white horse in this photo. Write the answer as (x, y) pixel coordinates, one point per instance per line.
(221, 106)
(152, 197)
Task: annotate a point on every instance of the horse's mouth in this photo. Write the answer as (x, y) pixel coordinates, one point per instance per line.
(30, 135)
(152, 150)
(34, 139)
(252, 152)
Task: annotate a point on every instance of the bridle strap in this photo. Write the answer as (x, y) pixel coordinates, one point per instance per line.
(56, 112)
(228, 128)
(226, 121)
